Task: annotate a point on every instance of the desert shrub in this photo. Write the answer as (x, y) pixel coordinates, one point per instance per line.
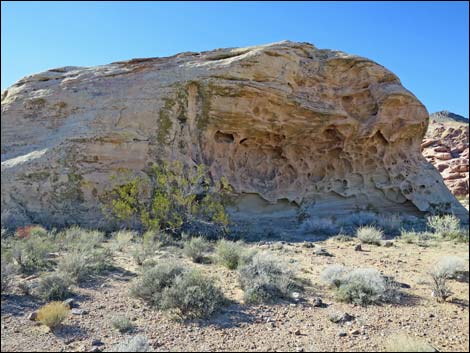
(333, 275)
(31, 230)
(195, 248)
(449, 266)
(76, 238)
(404, 343)
(54, 286)
(7, 273)
(141, 253)
(32, 254)
(79, 266)
(232, 254)
(122, 324)
(411, 236)
(52, 314)
(266, 279)
(343, 238)
(390, 223)
(359, 219)
(169, 197)
(168, 286)
(369, 235)
(192, 295)
(319, 226)
(122, 239)
(134, 344)
(151, 284)
(447, 227)
(366, 286)
(445, 269)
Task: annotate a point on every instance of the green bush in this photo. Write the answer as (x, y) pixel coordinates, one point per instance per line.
(193, 295)
(369, 235)
(54, 286)
(266, 279)
(447, 227)
(196, 248)
(169, 197)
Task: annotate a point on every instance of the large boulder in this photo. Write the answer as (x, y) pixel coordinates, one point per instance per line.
(295, 129)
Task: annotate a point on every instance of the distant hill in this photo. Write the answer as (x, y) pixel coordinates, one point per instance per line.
(445, 116)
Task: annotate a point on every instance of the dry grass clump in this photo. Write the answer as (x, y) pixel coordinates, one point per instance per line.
(53, 314)
(370, 235)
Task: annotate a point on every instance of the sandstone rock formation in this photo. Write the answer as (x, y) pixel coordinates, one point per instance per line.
(295, 129)
(446, 147)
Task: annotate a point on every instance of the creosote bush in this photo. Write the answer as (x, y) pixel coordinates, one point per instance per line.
(53, 314)
(196, 248)
(169, 197)
(187, 293)
(54, 286)
(266, 279)
(369, 235)
(404, 343)
(361, 286)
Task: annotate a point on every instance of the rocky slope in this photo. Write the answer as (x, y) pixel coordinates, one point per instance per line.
(446, 147)
(293, 128)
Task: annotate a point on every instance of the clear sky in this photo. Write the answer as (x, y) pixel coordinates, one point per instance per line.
(424, 43)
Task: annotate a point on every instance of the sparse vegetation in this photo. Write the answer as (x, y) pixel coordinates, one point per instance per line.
(54, 286)
(79, 266)
(135, 344)
(32, 253)
(7, 272)
(324, 226)
(266, 279)
(405, 343)
(76, 238)
(122, 239)
(196, 248)
(186, 292)
(193, 295)
(52, 314)
(122, 324)
(370, 235)
(362, 286)
(232, 254)
(447, 227)
(447, 268)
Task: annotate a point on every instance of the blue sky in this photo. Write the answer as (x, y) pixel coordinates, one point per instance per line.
(424, 43)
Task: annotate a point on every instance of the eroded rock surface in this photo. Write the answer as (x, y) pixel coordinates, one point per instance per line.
(293, 128)
(446, 147)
